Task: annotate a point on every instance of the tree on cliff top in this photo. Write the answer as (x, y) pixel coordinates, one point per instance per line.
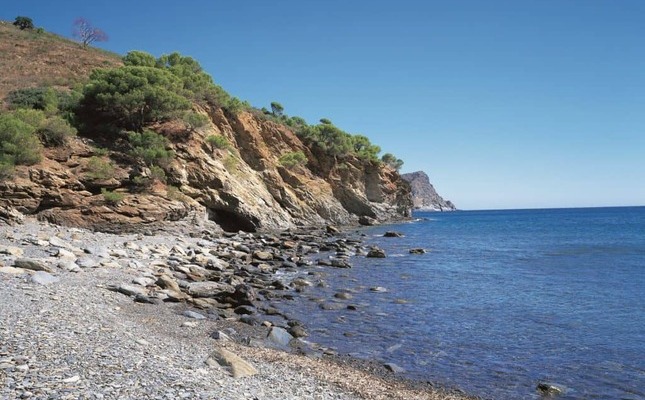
(86, 33)
(24, 23)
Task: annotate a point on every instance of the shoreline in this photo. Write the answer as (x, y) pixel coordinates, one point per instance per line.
(338, 376)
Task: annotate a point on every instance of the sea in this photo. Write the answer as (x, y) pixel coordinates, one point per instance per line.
(502, 301)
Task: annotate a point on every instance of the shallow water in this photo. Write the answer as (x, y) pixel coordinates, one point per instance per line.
(504, 300)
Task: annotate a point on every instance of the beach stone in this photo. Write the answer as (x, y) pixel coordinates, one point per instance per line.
(244, 295)
(31, 264)
(343, 296)
(98, 251)
(11, 250)
(367, 221)
(376, 252)
(167, 282)
(69, 265)
(87, 262)
(208, 289)
(58, 242)
(392, 234)
(44, 278)
(12, 271)
(193, 315)
(131, 290)
(63, 253)
(279, 336)
(338, 263)
(143, 281)
(378, 289)
(332, 229)
(239, 367)
(263, 255)
(332, 306)
(298, 331)
(418, 251)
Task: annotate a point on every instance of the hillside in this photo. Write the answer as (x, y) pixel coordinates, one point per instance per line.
(193, 151)
(424, 195)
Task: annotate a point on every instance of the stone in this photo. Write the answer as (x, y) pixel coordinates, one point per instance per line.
(417, 251)
(208, 289)
(263, 256)
(193, 314)
(190, 324)
(69, 265)
(376, 252)
(378, 289)
(12, 271)
(98, 251)
(88, 262)
(131, 290)
(332, 229)
(11, 216)
(339, 263)
(245, 310)
(32, 264)
(332, 306)
(140, 298)
(549, 389)
(297, 331)
(343, 296)
(239, 367)
(393, 368)
(279, 336)
(44, 278)
(166, 282)
(63, 253)
(11, 250)
(366, 221)
(58, 242)
(244, 295)
(72, 379)
(143, 281)
(393, 234)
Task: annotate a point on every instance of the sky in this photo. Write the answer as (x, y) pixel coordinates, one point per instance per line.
(504, 104)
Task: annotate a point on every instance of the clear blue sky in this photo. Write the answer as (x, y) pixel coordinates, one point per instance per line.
(505, 104)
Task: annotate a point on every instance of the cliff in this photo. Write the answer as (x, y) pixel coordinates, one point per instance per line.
(91, 181)
(424, 195)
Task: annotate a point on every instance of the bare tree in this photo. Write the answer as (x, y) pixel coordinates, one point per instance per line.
(86, 33)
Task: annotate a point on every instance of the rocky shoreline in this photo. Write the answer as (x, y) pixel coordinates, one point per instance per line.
(184, 312)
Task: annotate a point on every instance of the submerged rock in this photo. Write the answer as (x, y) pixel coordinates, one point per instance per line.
(392, 234)
(549, 389)
(376, 252)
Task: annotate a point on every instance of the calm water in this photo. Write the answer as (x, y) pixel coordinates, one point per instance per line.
(504, 300)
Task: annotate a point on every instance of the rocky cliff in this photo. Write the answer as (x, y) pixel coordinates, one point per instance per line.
(243, 187)
(424, 195)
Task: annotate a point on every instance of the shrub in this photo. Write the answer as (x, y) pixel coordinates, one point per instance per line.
(131, 97)
(99, 169)
(325, 121)
(112, 197)
(55, 131)
(24, 23)
(33, 118)
(231, 163)
(293, 159)
(18, 143)
(195, 121)
(150, 147)
(218, 141)
(277, 109)
(364, 149)
(6, 168)
(40, 98)
(390, 160)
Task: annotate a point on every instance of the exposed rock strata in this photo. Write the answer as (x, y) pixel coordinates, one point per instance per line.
(241, 188)
(424, 195)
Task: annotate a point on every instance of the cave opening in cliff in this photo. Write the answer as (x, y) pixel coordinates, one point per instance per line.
(232, 222)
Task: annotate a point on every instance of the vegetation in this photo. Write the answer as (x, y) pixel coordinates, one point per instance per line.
(194, 120)
(277, 109)
(111, 197)
(293, 159)
(218, 142)
(19, 144)
(391, 161)
(99, 169)
(24, 23)
(55, 131)
(231, 163)
(86, 33)
(151, 148)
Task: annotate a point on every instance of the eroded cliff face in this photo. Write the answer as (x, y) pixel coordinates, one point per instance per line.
(240, 188)
(424, 195)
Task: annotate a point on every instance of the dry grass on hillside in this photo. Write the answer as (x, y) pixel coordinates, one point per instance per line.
(30, 59)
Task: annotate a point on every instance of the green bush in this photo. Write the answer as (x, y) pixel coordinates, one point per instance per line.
(150, 147)
(19, 144)
(111, 197)
(131, 97)
(33, 118)
(24, 23)
(6, 168)
(194, 120)
(390, 160)
(364, 149)
(293, 159)
(218, 141)
(99, 169)
(39, 98)
(55, 131)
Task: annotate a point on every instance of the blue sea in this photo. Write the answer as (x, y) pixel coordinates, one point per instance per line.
(503, 300)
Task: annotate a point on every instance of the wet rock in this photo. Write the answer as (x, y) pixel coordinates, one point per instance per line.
(244, 295)
(32, 264)
(378, 289)
(393, 368)
(245, 310)
(332, 229)
(549, 389)
(376, 252)
(366, 221)
(332, 306)
(44, 278)
(393, 234)
(343, 296)
(338, 263)
(418, 251)
(263, 256)
(298, 331)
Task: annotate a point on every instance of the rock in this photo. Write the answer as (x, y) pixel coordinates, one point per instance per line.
(167, 282)
(143, 281)
(244, 295)
(392, 234)
(378, 289)
(424, 195)
(32, 264)
(190, 324)
(239, 367)
(279, 336)
(338, 263)
(262, 255)
(245, 310)
(376, 252)
(69, 265)
(367, 221)
(66, 254)
(140, 298)
(208, 289)
(343, 296)
(58, 242)
(88, 262)
(393, 368)
(193, 314)
(131, 290)
(44, 278)
(98, 251)
(549, 389)
(297, 331)
(11, 216)
(417, 251)
(332, 229)
(12, 271)
(72, 379)
(11, 250)
(332, 306)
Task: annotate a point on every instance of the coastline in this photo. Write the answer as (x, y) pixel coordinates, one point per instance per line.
(59, 335)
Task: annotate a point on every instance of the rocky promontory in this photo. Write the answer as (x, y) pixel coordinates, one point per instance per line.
(424, 195)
